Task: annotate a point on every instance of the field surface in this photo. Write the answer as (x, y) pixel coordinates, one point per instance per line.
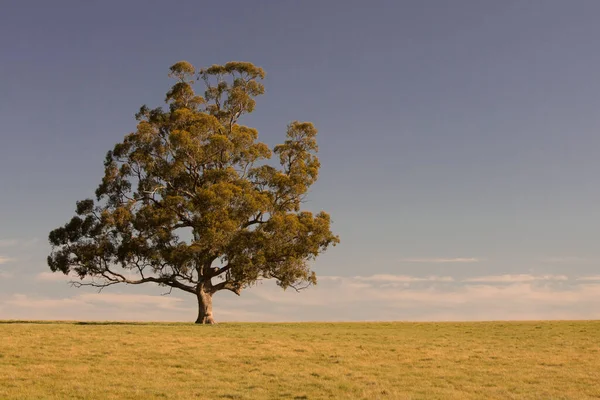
(495, 360)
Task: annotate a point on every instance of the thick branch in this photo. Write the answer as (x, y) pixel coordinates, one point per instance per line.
(257, 220)
(228, 285)
(220, 271)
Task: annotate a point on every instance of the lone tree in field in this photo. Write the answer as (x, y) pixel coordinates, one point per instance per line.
(189, 202)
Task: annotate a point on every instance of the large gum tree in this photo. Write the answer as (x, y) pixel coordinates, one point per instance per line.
(189, 200)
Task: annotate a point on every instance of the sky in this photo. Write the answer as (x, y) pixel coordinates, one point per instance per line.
(459, 146)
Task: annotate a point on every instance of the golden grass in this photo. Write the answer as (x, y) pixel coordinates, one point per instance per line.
(482, 360)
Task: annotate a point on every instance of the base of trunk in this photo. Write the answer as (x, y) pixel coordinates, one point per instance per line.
(205, 315)
(206, 320)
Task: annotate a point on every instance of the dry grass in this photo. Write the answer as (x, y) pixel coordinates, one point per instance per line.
(520, 360)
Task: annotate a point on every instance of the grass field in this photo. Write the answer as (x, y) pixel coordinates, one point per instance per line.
(519, 360)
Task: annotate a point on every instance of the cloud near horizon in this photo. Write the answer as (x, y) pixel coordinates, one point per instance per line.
(95, 306)
(441, 260)
(49, 276)
(359, 298)
(516, 278)
(5, 243)
(6, 260)
(589, 278)
(570, 260)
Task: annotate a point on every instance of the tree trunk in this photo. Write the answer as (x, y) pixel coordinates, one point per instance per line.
(205, 315)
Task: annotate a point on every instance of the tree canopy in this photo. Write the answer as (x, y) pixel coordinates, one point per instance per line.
(190, 201)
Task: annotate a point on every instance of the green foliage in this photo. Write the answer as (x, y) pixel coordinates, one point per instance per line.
(189, 196)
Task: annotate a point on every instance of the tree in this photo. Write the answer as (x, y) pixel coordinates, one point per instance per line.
(189, 201)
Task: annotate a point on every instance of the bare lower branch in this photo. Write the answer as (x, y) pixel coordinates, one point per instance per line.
(296, 286)
(100, 286)
(118, 278)
(169, 292)
(300, 288)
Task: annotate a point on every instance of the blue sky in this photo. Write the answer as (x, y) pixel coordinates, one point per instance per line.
(459, 144)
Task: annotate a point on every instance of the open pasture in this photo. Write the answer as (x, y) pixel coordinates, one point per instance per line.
(475, 360)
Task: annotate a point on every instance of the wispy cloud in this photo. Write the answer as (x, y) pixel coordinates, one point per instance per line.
(403, 278)
(48, 276)
(18, 242)
(569, 260)
(97, 306)
(516, 278)
(589, 278)
(6, 260)
(6, 275)
(25, 301)
(137, 300)
(335, 298)
(484, 298)
(441, 260)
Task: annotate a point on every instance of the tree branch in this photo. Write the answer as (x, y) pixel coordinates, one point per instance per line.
(118, 278)
(256, 220)
(228, 285)
(295, 286)
(221, 270)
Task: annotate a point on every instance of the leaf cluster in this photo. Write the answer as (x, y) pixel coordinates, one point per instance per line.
(190, 196)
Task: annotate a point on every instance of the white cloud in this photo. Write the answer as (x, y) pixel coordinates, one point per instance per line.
(6, 275)
(337, 298)
(97, 306)
(441, 260)
(569, 260)
(589, 278)
(516, 278)
(403, 278)
(58, 276)
(6, 260)
(25, 301)
(54, 277)
(129, 300)
(18, 242)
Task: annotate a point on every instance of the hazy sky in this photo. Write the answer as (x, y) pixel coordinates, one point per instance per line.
(459, 142)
